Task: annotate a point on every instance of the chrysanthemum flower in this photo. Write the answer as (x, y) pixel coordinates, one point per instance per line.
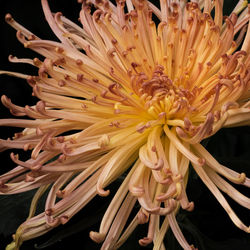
(128, 93)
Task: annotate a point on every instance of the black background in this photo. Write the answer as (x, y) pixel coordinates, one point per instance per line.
(208, 227)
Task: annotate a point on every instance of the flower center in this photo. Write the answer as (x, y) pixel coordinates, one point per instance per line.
(163, 94)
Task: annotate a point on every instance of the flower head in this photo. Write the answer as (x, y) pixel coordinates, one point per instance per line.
(128, 93)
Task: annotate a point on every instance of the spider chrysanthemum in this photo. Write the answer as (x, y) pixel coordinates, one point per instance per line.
(125, 92)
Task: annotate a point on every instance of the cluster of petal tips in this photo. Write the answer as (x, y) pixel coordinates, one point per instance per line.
(134, 89)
